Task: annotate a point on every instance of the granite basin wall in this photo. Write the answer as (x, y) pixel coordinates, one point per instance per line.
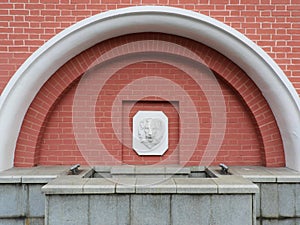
(22, 204)
(22, 201)
(154, 209)
(226, 200)
(278, 199)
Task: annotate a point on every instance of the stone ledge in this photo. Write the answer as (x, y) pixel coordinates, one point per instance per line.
(235, 185)
(33, 175)
(76, 185)
(155, 186)
(195, 186)
(150, 170)
(259, 174)
(98, 186)
(66, 185)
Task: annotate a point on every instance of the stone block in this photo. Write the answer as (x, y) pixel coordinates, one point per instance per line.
(36, 200)
(254, 217)
(234, 185)
(178, 170)
(155, 185)
(13, 199)
(11, 221)
(195, 185)
(297, 200)
(257, 200)
(37, 179)
(66, 209)
(150, 209)
(188, 209)
(270, 222)
(125, 169)
(109, 209)
(231, 210)
(102, 169)
(287, 222)
(125, 185)
(65, 185)
(152, 176)
(34, 221)
(269, 200)
(288, 179)
(147, 170)
(9, 179)
(291, 221)
(287, 201)
(99, 186)
(256, 174)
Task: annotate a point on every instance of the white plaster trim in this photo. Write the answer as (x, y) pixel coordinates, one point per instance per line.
(26, 82)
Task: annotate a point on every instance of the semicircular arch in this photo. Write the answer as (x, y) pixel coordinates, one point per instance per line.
(37, 69)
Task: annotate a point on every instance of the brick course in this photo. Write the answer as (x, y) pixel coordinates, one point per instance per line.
(269, 23)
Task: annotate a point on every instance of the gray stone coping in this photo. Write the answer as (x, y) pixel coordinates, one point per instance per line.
(76, 185)
(37, 175)
(146, 170)
(259, 174)
(239, 182)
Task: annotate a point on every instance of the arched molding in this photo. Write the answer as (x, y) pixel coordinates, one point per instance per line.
(38, 68)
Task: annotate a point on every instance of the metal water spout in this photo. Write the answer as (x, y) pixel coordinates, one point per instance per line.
(74, 169)
(224, 169)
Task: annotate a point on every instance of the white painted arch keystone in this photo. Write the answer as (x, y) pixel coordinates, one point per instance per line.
(30, 77)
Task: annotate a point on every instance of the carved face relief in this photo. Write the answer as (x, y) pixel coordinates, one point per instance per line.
(150, 133)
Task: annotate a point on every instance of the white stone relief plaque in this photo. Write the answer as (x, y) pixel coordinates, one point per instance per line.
(150, 133)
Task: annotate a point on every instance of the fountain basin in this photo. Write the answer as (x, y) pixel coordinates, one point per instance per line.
(116, 195)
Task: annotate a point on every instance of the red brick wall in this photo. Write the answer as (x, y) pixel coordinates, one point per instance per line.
(272, 24)
(251, 138)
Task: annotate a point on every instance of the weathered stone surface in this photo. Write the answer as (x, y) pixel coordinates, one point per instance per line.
(287, 201)
(195, 185)
(280, 222)
(270, 222)
(125, 185)
(65, 185)
(34, 221)
(150, 209)
(231, 210)
(269, 200)
(13, 200)
(297, 200)
(257, 200)
(154, 185)
(235, 184)
(36, 200)
(190, 209)
(99, 186)
(125, 169)
(67, 209)
(109, 209)
(11, 221)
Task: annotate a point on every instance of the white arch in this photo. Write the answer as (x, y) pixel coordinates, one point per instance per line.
(29, 78)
